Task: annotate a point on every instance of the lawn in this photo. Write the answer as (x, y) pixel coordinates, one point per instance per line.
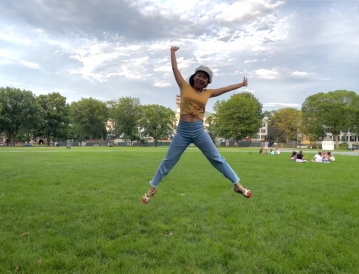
(80, 211)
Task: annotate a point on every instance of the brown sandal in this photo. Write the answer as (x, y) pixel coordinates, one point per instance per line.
(247, 193)
(146, 198)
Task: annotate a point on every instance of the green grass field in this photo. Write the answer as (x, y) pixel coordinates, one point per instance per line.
(80, 211)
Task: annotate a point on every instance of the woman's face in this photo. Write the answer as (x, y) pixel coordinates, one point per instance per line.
(200, 80)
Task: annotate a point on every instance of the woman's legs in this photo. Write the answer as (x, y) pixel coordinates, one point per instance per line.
(177, 147)
(188, 133)
(205, 144)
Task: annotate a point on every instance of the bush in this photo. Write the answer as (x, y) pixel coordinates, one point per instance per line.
(343, 146)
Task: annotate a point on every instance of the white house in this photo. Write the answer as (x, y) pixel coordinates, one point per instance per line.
(263, 131)
(328, 143)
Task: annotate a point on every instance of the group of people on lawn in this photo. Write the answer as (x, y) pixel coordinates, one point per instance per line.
(265, 151)
(320, 157)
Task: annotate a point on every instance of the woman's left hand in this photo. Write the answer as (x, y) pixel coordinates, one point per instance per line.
(245, 82)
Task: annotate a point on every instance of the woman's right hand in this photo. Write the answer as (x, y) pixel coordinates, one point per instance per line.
(174, 49)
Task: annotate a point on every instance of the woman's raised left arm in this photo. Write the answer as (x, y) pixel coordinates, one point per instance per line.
(220, 91)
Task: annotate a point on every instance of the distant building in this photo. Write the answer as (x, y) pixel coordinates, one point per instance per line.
(328, 143)
(110, 128)
(344, 137)
(263, 131)
(2, 138)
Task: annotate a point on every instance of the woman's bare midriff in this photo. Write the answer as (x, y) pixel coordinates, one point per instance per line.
(189, 118)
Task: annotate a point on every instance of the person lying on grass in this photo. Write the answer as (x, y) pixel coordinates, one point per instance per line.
(194, 97)
(324, 157)
(300, 158)
(330, 156)
(317, 158)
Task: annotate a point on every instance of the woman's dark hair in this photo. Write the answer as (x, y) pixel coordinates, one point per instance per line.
(191, 81)
(294, 153)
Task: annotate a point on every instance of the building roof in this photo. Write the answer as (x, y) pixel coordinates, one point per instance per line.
(327, 139)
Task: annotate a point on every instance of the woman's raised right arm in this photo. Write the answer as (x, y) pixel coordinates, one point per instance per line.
(179, 79)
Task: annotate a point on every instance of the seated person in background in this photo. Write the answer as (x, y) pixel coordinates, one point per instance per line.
(293, 157)
(277, 151)
(271, 151)
(325, 158)
(301, 158)
(330, 156)
(317, 158)
(266, 147)
(261, 151)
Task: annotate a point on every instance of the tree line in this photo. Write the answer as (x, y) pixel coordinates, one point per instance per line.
(334, 112)
(24, 116)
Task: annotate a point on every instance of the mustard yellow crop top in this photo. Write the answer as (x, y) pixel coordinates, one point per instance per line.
(192, 102)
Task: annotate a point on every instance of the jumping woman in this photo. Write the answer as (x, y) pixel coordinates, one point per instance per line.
(194, 97)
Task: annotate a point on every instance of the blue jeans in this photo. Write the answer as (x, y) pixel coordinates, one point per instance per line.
(187, 133)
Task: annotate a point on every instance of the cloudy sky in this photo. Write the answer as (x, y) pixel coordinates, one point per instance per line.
(109, 49)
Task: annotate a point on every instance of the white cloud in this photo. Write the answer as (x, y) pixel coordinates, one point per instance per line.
(128, 53)
(300, 73)
(243, 9)
(247, 89)
(162, 84)
(30, 64)
(15, 83)
(279, 105)
(13, 36)
(102, 60)
(260, 48)
(164, 68)
(266, 74)
(250, 61)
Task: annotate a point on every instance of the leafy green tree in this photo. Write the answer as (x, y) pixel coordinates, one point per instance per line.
(275, 133)
(286, 122)
(127, 116)
(90, 116)
(26, 134)
(334, 110)
(355, 127)
(56, 117)
(157, 122)
(312, 124)
(268, 113)
(239, 117)
(313, 129)
(76, 131)
(20, 113)
(112, 106)
(212, 127)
